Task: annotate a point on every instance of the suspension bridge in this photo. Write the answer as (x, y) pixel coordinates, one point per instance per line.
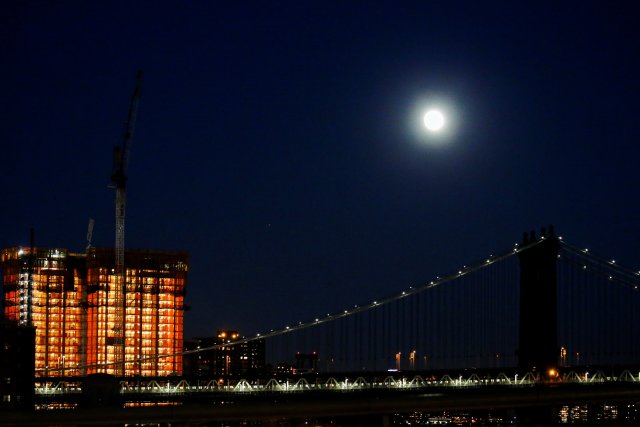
(539, 305)
(543, 315)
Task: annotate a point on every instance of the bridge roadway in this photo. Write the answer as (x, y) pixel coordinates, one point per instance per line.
(328, 404)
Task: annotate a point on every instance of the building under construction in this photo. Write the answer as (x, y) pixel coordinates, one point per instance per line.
(71, 301)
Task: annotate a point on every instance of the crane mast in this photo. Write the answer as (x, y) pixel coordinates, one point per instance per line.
(92, 222)
(119, 179)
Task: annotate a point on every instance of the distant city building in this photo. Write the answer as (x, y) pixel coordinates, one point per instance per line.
(17, 365)
(282, 368)
(69, 299)
(226, 361)
(306, 362)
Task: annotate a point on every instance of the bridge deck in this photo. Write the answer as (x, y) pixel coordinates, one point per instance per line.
(373, 402)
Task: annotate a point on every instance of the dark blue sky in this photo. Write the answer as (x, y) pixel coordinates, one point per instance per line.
(277, 142)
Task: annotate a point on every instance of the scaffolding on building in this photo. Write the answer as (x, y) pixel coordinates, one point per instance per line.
(45, 286)
(74, 304)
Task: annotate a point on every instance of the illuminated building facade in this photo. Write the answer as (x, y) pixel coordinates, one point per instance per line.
(155, 286)
(43, 288)
(69, 299)
(226, 361)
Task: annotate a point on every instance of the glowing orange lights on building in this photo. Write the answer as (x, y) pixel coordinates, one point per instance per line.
(155, 286)
(44, 289)
(69, 299)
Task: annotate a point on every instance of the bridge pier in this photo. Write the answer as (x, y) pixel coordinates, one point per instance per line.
(538, 341)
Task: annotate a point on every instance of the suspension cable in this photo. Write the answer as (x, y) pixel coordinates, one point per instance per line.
(383, 302)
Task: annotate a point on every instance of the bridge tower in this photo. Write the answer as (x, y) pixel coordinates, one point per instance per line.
(538, 340)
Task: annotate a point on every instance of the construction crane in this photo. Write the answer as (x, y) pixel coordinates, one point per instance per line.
(90, 233)
(119, 180)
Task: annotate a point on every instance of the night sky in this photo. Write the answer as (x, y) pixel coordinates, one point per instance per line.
(280, 142)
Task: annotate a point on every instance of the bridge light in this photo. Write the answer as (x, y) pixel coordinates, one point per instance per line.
(613, 261)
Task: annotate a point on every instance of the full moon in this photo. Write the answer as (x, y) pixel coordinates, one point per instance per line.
(434, 120)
